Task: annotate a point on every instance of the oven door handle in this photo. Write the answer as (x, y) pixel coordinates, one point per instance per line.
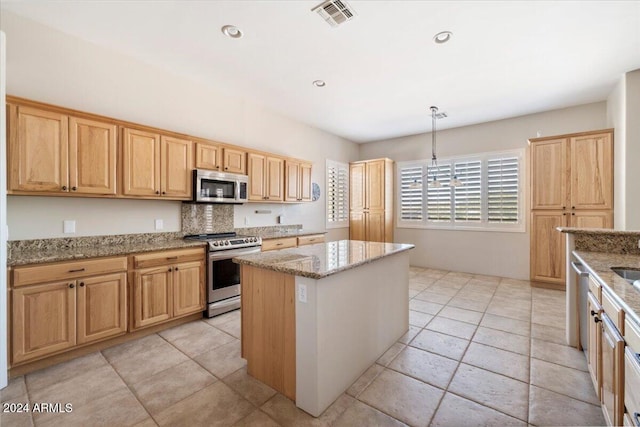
(215, 256)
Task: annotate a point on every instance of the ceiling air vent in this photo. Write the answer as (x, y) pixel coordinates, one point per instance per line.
(441, 116)
(335, 12)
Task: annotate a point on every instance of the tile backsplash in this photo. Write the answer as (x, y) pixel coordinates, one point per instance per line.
(206, 218)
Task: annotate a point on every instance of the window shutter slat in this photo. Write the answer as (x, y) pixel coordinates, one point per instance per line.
(502, 190)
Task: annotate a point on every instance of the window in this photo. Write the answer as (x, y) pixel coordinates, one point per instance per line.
(337, 194)
(488, 199)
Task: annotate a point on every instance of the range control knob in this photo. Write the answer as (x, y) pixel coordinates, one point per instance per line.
(215, 243)
(226, 242)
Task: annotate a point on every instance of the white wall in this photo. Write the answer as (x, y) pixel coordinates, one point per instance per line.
(50, 66)
(3, 219)
(632, 145)
(494, 253)
(616, 118)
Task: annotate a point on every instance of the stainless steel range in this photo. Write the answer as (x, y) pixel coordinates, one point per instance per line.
(223, 276)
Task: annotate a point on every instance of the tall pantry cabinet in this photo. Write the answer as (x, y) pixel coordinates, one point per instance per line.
(571, 186)
(371, 200)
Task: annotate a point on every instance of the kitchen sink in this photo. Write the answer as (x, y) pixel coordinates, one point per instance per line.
(630, 275)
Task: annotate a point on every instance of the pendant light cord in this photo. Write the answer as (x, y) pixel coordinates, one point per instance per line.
(434, 158)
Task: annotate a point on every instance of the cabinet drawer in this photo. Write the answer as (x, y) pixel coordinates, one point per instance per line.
(310, 240)
(613, 310)
(595, 289)
(287, 242)
(167, 257)
(632, 381)
(632, 335)
(67, 270)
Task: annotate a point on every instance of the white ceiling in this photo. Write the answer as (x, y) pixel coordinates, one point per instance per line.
(382, 69)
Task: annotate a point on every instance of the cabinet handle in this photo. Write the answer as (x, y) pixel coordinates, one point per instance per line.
(64, 187)
(76, 271)
(172, 257)
(73, 188)
(593, 313)
(71, 285)
(597, 319)
(157, 192)
(82, 284)
(279, 244)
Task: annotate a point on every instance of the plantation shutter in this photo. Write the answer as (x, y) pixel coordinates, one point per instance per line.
(502, 189)
(411, 193)
(337, 193)
(468, 197)
(439, 198)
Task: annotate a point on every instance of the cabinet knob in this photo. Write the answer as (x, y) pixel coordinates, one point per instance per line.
(217, 167)
(73, 188)
(226, 168)
(64, 187)
(573, 213)
(157, 192)
(164, 192)
(267, 197)
(175, 269)
(573, 207)
(170, 269)
(564, 213)
(597, 319)
(564, 207)
(82, 284)
(71, 285)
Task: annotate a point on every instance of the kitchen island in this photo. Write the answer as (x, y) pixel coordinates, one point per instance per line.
(314, 318)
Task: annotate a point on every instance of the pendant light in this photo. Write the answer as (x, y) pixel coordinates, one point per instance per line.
(434, 159)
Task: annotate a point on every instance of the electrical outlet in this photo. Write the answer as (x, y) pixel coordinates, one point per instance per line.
(159, 224)
(302, 293)
(69, 226)
(246, 220)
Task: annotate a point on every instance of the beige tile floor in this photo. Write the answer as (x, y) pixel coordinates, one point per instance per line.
(480, 351)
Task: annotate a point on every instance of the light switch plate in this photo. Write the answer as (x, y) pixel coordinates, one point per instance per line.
(159, 224)
(302, 293)
(69, 226)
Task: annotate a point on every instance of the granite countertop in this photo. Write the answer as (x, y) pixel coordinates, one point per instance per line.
(322, 259)
(52, 254)
(576, 230)
(599, 264)
(268, 235)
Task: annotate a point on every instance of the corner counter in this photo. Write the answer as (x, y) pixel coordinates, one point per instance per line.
(314, 318)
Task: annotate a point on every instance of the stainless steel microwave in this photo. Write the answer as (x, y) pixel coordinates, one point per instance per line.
(219, 187)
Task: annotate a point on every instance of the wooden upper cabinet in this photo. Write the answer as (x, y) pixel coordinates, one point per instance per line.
(234, 160)
(374, 185)
(176, 165)
(92, 156)
(592, 219)
(592, 171)
(357, 186)
(208, 156)
(38, 150)
(266, 174)
(292, 178)
(257, 170)
(549, 174)
(140, 163)
(297, 181)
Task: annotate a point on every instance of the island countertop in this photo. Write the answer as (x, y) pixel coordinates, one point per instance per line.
(599, 264)
(322, 259)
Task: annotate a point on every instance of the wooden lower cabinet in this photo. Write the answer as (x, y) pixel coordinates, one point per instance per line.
(548, 246)
(168, 291)
(592, 219)
(374, 225)
(612, 395)
(370, 225)
(44, 320)
(357, 225)
(102, 307)
(594, 352)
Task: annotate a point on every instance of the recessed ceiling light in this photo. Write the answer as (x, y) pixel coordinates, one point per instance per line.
(319, 83)
(232, 31)
(442, 37)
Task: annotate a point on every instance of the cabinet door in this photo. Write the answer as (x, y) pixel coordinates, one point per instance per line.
(356, 186)
(152, 296)
(176, 165)
(305, 182)
(140, 163)
(275, 179)
(549, 174)
(292, 181)
(357, 225)
(592, 172)
(92, 156)
(208, 156)
(235, 160)
(592, 219)
(257, 164)
(594, 352)
(188, 288)
(102, 307)
(548, 246)
(38, 150)
(374, 225)
(612, 372)
(44, 320)
(374, 185)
